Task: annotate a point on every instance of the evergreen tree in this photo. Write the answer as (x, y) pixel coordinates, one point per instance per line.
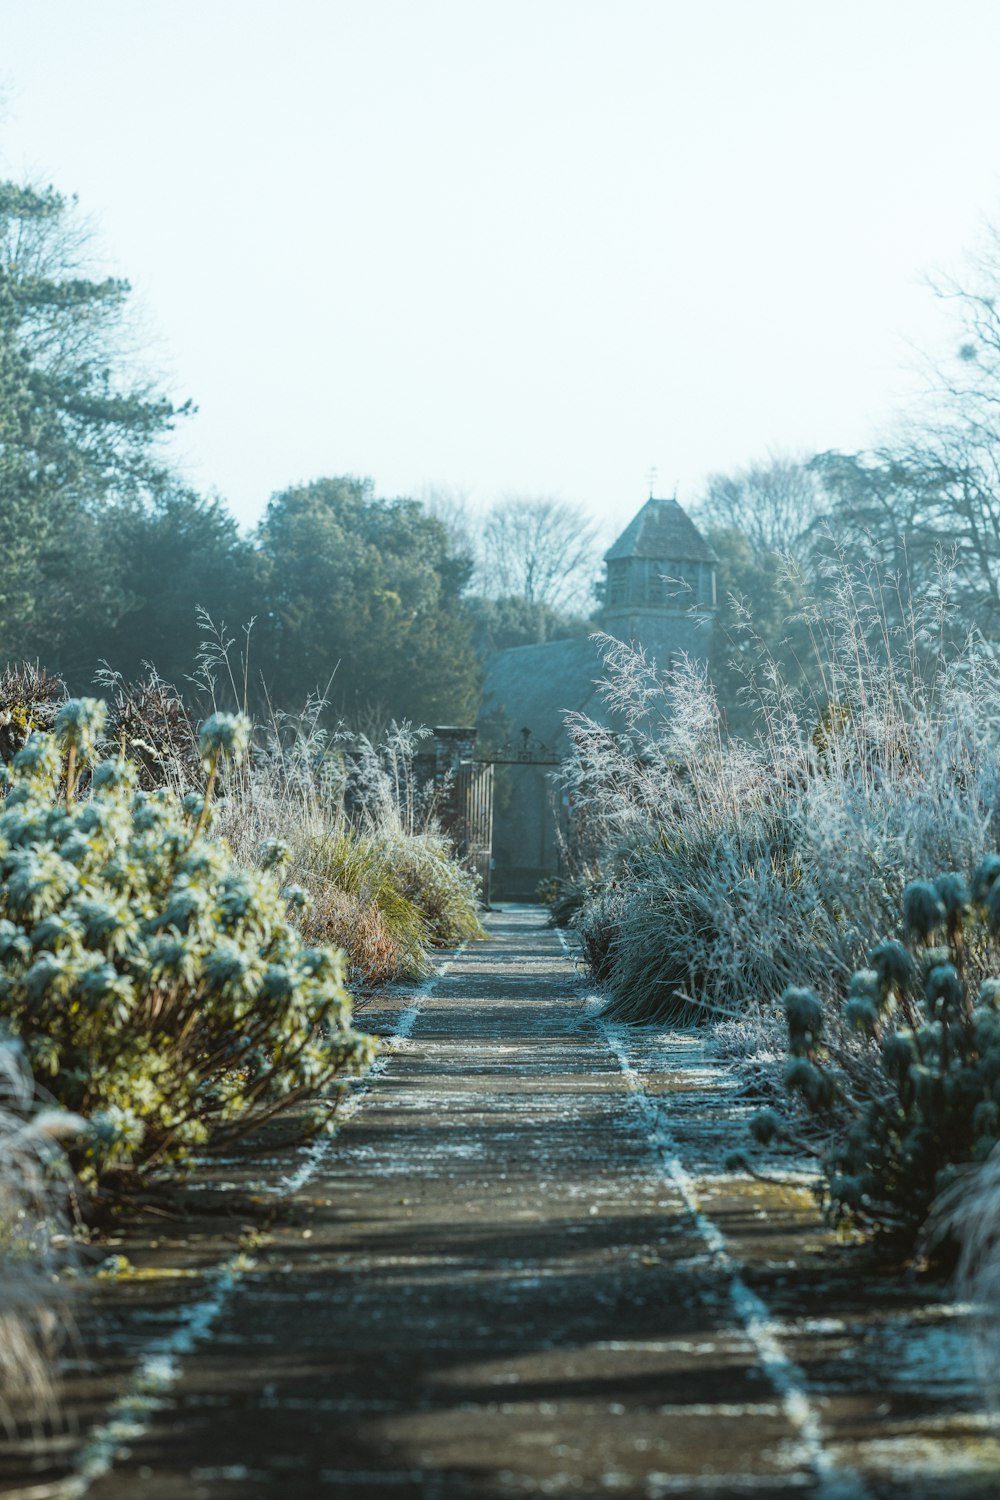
(364, 604)
(78, 426)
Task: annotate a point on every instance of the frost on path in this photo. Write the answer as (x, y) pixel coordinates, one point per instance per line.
(522, 1271)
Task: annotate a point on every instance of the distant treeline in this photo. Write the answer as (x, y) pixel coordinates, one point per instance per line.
(106, 557)
(389, 606)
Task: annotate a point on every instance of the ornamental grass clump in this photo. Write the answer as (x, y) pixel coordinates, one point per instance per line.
(161, 990)
(908, 1075)
(359, 827)
(737, 867)
(356, 864)
(444, 892)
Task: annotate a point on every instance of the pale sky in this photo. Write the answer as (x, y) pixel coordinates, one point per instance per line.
(517, 246)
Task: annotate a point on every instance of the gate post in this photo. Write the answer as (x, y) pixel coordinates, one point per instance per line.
(465, 788)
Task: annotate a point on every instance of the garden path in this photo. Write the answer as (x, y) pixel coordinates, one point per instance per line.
(522, 1270)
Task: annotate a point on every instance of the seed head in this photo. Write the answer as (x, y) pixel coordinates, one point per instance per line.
(227, 735)
(899, 1053)
(945, 991)
(864, 984)
(985, 877)
(892, 964)
(861, 1014)
(79, 723)
(802, 1076)
(804, 1014)
(923, 910)
(953, 892)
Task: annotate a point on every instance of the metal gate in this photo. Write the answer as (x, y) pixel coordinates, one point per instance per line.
(464, 782)
(471, 820)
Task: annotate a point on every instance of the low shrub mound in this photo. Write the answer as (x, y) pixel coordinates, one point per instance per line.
(29, 700)
(355, 864)
(161, 990)
(373, 953)
(908, 1073)
(362, 838)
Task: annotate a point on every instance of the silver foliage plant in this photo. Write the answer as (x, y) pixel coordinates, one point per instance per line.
(161, 988)
(736, 867)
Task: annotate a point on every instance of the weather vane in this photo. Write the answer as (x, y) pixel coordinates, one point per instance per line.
(651, 476)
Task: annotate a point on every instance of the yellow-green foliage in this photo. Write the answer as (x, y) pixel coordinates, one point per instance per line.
(161, 990)
(442, 890)
(359, 864)
(423, 898)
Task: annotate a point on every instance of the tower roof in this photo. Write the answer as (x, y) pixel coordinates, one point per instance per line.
(662, 530)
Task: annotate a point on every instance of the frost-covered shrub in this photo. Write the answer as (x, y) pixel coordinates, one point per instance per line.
(738, 867)
(29, 700)
(150, 724)
(161, 989)
(359, 865)
(374, 955)
(970, 1215)
(35, 1242)
(916, 1095)
(387, 899)
(361, 838)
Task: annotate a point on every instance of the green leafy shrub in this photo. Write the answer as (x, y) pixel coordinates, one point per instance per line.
(909, 1073)
(161, 990)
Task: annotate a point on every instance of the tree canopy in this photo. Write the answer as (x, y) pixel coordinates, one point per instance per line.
(540, 550)
(78, 424)
(363, 604)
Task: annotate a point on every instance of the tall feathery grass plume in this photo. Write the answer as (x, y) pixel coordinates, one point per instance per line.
(735, 867)
(970, 1215)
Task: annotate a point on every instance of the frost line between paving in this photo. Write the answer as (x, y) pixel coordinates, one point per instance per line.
(159, 1368)
(756, 1318)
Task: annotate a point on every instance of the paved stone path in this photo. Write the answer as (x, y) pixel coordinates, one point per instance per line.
(520, 1271)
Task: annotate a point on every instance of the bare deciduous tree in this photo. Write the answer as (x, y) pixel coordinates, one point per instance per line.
(773, 503)
(539, 549)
